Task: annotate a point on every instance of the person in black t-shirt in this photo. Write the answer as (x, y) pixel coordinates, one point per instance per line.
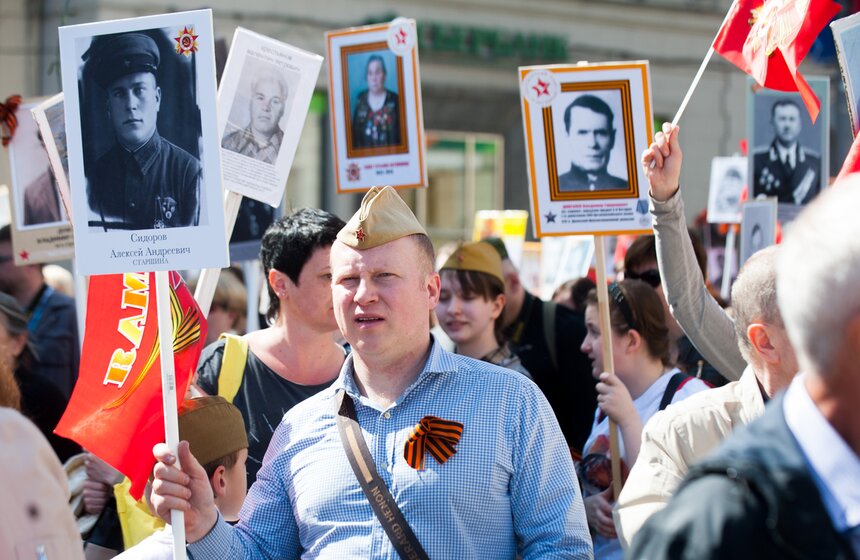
(296, 356)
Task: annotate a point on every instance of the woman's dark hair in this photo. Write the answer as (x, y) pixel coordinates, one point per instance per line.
(478, 284)
(377, 58)
(289, 243)
(639, 303)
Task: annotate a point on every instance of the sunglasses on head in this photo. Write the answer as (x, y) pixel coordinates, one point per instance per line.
(650, 277)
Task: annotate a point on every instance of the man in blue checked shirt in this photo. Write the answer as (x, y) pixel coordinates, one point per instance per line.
(508, 488)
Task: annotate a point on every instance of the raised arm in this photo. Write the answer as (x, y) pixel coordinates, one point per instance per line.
(707, 325)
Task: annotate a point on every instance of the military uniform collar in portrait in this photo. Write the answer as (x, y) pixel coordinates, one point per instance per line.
(579, 180)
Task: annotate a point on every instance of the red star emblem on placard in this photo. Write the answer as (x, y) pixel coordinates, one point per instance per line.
(186, 41)
(24, 255)
(360, 235)
(542, 88)
(400, 37)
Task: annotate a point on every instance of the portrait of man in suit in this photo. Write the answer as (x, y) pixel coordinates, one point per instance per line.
(590, 129)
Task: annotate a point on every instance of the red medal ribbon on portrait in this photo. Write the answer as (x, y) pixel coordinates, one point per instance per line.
(8, 120)
(435, 435)
(768, 39)
(116, 408)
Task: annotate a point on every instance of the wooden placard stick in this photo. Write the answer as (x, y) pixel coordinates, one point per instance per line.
(608, 363)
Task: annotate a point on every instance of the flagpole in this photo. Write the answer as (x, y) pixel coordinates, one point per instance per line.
(169, 396)
(701, 69)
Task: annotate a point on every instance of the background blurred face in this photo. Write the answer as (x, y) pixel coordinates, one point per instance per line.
(382, 297)
(133, 103)
(375, 77)
(311, 297)
(591, 139)
(465, 319)
(786, 123)
(267, 107)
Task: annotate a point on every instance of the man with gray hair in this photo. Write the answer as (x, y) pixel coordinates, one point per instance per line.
(262, 138)
(786, 486)
(683, 434)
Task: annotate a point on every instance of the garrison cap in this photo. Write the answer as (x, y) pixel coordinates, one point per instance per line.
(476, 257)
(382, 217)
(213, 428)
(115, 57)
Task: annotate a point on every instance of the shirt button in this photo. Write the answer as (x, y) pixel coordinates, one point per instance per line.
(386, 415)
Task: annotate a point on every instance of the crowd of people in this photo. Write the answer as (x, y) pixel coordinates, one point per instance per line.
(396, 405)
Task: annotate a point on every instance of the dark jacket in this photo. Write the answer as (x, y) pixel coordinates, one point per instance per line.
(578, 180)
(753, 498)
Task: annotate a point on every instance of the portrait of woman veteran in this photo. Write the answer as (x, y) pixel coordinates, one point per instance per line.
(376, 118)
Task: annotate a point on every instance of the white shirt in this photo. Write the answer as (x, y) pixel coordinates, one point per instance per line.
(646, 405)
(834, 466)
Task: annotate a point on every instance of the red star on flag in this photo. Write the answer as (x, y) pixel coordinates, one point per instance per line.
(360, 235)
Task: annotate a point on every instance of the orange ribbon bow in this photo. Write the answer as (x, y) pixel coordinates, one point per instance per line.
(8, 120)
(435, 435)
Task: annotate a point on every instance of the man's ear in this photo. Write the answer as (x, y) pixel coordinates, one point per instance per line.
(434, 286)
(612, 139)
(157, 98)
(760, 340)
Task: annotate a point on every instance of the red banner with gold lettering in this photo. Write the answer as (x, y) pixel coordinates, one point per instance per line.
(116, 408)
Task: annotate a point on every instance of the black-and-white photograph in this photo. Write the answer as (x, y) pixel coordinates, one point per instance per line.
(255, 127)
(143, 145)
(789, 157)
(263, 102)
(846, 34)
(728, 179)
(139, 112)
(252, 221)
(758, 226)
(50, 117)
(590, 148)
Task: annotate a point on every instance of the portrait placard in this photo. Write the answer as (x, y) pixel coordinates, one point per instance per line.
(252, 221)
(790, 154)
(846, 34)
(263, 102)
(728, 179)
(585, 125)
(758, 226)
(51, 120)
(40, 227)
(375, 105)
(143, 144)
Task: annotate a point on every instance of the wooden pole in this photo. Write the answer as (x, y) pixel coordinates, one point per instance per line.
(608, 362)
(170, 400)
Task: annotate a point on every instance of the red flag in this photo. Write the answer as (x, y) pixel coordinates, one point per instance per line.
(768, 39)
(116, 407)
(852, 160)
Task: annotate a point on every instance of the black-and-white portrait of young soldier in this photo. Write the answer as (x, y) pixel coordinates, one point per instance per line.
(588, 146)
(255, 126)
(788, 167)
(141, 131)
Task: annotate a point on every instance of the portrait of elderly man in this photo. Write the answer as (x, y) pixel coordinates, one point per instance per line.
(588, 124)
(786, 169)
(143, 181)
(262, 138)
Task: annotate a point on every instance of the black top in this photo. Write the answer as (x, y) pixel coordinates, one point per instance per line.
(263, 399)
(53, 326)
(578, 180)
(376, 128)
(570, 389)
(44, 404)
(157, 186)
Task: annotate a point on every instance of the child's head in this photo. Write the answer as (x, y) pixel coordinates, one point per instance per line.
(216, 434)
(472, 296)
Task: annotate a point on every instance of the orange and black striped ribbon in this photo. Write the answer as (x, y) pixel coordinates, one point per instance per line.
(8, 120)
(435, 435)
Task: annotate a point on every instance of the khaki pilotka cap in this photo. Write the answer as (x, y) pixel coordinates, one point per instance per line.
(213, 428)
(476, 257)
(382, 217)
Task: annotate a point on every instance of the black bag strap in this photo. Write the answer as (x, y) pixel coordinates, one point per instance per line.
(673, 386)
(398, 530)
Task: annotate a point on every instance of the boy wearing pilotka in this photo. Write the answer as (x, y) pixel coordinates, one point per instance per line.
(216, 434)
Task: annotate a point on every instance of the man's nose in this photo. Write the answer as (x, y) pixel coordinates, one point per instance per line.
(365, 292)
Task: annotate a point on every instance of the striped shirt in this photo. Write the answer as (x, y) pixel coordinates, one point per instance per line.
(509, 488)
